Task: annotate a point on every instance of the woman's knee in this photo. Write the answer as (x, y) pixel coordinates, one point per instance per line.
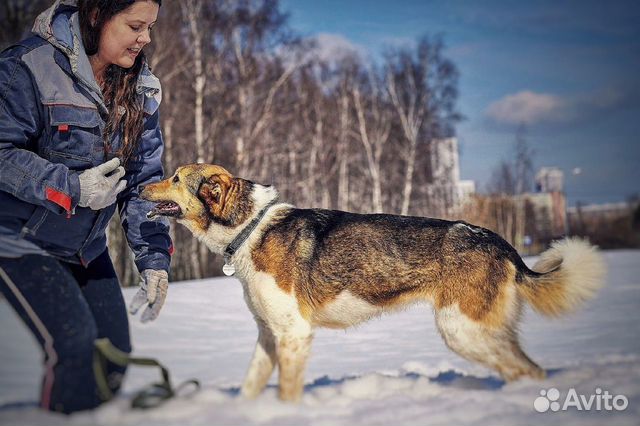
(76, 340)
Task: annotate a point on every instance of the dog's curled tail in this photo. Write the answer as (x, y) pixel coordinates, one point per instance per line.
(566, 276)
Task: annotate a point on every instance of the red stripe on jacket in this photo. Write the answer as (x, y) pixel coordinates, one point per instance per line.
(61, 199)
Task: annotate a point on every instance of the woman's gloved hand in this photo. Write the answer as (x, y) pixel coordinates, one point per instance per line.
(153, 290)
(98, 189)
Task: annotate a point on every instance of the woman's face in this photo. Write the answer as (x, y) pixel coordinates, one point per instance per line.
(125, 34)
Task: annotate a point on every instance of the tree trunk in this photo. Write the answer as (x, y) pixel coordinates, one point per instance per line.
(191, 10)
(407, 187)
(373, 166)
(343, 154)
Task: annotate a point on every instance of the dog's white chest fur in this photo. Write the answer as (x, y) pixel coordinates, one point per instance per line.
(278, 309)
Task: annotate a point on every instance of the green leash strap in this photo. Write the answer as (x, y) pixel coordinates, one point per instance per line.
(152, 396)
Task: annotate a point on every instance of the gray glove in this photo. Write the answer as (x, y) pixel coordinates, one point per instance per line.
(153, 289)
(99, 190)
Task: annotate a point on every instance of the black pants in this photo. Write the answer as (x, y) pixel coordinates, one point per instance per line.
(66, 307)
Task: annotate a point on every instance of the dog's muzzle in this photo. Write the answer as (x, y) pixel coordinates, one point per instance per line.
(165, 208)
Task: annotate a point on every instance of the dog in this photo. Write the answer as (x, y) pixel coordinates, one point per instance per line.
(307, 268)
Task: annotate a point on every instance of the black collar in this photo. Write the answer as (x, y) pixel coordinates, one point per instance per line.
(237, 242)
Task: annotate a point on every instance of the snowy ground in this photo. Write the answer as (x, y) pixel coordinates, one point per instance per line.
(393, 370)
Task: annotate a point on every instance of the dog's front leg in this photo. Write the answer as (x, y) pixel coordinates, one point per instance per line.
(262, 364)
(292, 351)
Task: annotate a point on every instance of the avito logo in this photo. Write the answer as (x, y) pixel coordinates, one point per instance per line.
(549, 399)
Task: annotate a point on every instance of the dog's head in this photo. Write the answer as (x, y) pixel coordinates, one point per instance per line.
(200, 194)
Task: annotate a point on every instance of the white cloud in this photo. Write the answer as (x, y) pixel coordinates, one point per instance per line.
(327, 48)
(526, 107)
(334, 47)
(531, 108)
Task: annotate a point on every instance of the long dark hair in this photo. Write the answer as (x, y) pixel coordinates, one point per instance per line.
(119, 87)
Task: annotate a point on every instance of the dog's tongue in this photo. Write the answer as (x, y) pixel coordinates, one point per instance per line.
(165, 208)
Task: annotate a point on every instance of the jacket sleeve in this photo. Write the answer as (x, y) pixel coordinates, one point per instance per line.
(23, 173)
(149, 239)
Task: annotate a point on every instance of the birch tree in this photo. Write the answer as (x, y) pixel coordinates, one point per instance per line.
(422, 86)
(374, 133)
(192, 12)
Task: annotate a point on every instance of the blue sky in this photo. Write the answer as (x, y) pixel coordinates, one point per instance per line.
(569, 70)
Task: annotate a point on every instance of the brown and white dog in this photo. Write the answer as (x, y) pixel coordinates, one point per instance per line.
(304, 268)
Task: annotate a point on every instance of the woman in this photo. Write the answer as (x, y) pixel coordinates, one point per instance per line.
(79, 132)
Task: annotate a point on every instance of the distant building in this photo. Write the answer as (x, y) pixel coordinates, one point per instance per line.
(549, 214)
(608, 210)
(550, 179)
(445, 163)
(549, 205)
(590, 212)
(466, 188)
(447, 189)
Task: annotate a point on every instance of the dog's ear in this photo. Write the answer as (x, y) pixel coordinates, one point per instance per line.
(210, 191)
(226, 199)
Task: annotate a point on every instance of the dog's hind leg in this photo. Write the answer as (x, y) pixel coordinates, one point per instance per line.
(292, 351)
(494, 345)
(262, 363)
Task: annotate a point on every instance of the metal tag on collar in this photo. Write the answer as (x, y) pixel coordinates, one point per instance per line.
(228, 269)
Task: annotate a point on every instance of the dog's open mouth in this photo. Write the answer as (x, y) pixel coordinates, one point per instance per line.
(165, 208)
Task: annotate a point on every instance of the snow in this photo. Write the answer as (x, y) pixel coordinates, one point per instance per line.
(391, 370)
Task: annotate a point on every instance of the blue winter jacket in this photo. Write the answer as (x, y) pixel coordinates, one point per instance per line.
(52, 118)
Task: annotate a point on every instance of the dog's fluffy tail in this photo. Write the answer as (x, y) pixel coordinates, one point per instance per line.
(565, 277)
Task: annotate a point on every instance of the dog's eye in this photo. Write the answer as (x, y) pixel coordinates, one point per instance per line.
(176, 179)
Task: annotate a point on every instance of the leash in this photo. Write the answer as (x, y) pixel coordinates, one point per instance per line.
(149, 397)
(237, 242)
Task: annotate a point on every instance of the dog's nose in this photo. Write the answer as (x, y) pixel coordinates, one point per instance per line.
(140, 188)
